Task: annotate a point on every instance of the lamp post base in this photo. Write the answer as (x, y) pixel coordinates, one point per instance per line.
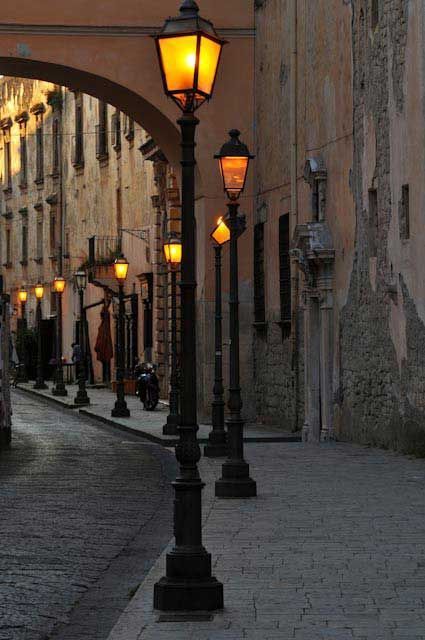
(180, 595)
(82, 399)
(120, 411)
(40, 385)
(59, 390)
(235, 481)
(5, 438)
(170, 427)
(217, 445)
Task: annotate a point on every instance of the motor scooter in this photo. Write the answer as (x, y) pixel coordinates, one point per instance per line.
(147, 387)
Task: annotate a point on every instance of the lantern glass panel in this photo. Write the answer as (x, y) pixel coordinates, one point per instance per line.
(23, 295)
(208, 64)
(39, 291)
(234, 170)
(221, 233)
(121, 269)
(59, 284)
(173, 253)
(178, 57)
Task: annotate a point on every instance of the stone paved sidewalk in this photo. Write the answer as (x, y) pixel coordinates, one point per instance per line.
(147, 424)
(333, 548)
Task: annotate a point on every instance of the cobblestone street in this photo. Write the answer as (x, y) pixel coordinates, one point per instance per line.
(85, 511)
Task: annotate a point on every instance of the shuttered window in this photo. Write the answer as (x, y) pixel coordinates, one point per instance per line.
(259, 292)
(285, 273)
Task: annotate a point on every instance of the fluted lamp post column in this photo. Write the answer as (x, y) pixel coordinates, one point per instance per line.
(235, 481)
(173, 256)
(59, 387)
(120, 409)
(22, 371)
(82, 399)
(39, 381)
(217, 443)
(189, 52)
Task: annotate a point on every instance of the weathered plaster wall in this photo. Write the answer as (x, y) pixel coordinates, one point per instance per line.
(382, 324)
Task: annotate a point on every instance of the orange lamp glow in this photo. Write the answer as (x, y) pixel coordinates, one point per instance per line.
(121, 268)
(173, 251)
(23, 295)
(39, 291)
(189, 53)
(234, 158)
(221, 233)
(59, 284)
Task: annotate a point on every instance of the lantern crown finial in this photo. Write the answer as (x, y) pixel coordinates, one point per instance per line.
(189, 7)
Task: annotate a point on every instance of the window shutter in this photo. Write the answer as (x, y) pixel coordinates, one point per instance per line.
(259, 290)
(285, 271)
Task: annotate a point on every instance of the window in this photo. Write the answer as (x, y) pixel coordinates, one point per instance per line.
(39, 257)
(102, 132)
(23, 174)
(116, 130)
(373, 222)
(259, 288)
(55, 148)
(24, 245)
(6, 124)
(285, 275)
(78, 155)
(374, 14)
(52, 232)
(404, 213)
(39, 149)
(129, 129)
(8, 248)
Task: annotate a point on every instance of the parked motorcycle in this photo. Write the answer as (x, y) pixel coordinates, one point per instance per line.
(147, 385)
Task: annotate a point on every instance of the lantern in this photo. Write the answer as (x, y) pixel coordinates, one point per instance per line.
(221, 233)
(173, 252)
(80, 278)
(23, 295)
(121, 268)
(234, 158)
(39, 291)
(189, 53)
(59, 284)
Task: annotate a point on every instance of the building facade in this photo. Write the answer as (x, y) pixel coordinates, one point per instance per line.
(81, 184)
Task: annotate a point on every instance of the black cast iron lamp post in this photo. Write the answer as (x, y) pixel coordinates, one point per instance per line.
(217, 446)
(22, 372)
(189, 52)
(59, 287)
(39, 381)
(120, 409)
(173, 256)
(235, 481)
(82, 399)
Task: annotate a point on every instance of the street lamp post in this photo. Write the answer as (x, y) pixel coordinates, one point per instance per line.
(235, 481)
(82, 399)
(59, 287)
(39, 381)
(22, 371)
(217, 446)
(120, 409)
(173, 256)
(189, 53)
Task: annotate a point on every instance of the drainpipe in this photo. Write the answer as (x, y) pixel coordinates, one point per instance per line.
(61, 189)
(294, 201)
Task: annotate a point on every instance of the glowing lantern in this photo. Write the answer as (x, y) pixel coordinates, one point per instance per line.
(39, 291)
(173, 252)
(23, 295)
(189, 53)
(121, 268)
(221, 233)
(59, 284)
(234, 158)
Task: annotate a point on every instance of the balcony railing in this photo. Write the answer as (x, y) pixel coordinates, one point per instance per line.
(103, 250)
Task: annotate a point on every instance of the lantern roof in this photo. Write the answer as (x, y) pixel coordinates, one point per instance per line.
(234, 148)
(189, 21)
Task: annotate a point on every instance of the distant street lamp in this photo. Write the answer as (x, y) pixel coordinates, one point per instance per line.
(22, 371)
(173, 256)
(189, 52)
(120, 409)
(82, 399)
(59, 287)
(217, 447)
(235, 481)
(39, 381)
